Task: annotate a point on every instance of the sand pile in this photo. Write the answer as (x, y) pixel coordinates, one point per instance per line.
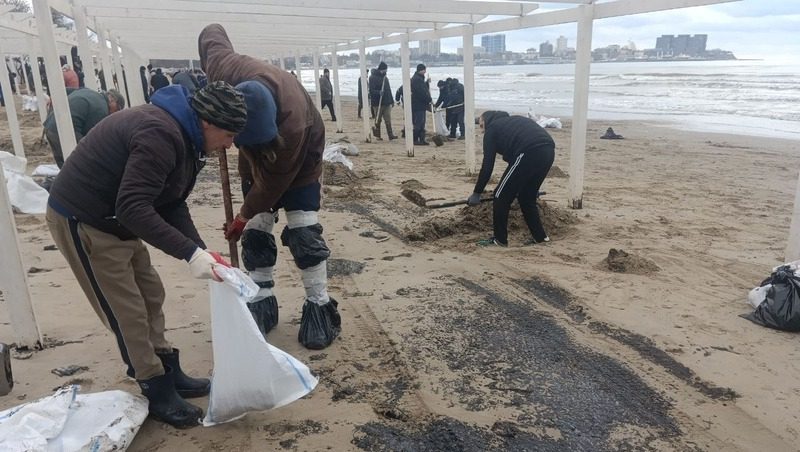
(337, 174)
(621, 262)
(412, 184)
(557, 222)
(556, 172)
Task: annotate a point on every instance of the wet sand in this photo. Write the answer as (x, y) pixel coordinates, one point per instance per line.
(447, 346)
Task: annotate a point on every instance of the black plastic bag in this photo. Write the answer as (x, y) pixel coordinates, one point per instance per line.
(781, 309)
(258, 249)
(306, 244)
(319, 325)
(265, 313)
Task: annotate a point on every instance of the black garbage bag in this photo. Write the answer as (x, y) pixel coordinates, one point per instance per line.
(306, 244)
(265, 313)
(781, 309)
(319, 325)
(258, 249)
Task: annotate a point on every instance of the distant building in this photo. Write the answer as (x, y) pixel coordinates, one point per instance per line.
(546, 49)
(494, 43)
(432, 47)
(681, 45)
(561, 45)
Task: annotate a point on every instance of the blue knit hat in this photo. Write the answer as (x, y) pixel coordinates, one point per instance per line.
(261, 127)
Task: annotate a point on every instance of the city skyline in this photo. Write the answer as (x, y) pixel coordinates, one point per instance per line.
(749, 29)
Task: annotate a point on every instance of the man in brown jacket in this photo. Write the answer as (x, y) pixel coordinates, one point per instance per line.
(126, 183)
(280, 163)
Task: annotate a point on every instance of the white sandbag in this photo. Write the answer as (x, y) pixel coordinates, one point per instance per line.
(758, 295)
(249, 373)
(439, 123)
(46, 170)
(549, 123)
(26, 195)
(13, 163)
(67, 421)
(334, 153)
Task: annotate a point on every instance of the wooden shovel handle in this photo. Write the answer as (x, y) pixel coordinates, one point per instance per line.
(228, 203)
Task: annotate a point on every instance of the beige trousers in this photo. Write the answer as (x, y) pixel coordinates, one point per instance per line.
(122, 286)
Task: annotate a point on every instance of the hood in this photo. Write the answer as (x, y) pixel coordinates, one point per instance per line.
(212, 39)
(261, 124)
(174, 99)
(492, 116)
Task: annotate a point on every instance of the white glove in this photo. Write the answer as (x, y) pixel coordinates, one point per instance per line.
(201, 265)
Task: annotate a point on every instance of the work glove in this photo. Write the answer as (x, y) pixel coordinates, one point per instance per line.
(234, 229)
(201, 265)
(474, 199)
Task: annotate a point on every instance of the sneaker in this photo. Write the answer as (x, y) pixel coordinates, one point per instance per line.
(461, 137)
(533, 241)
(491, 241)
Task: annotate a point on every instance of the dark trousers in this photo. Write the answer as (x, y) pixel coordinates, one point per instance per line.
(360, 107)
(522, 180)
(384, 114)
(418, 120)
(447, 118)
(329, 103)
(456, 121)
(55, 145)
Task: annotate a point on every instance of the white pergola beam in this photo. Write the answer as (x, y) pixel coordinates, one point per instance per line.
(298, 7)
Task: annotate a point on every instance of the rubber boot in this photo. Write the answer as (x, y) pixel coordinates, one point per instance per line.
(186, 386)
(166, 405)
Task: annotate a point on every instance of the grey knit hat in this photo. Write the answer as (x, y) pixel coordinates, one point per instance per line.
(222, 105)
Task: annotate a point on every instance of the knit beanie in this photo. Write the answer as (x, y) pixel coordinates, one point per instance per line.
(262, 114)
(420, 67)
(382, 66)
(222, 105)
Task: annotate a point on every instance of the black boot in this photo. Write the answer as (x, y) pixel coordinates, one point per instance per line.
(166, 405)
(185, 385)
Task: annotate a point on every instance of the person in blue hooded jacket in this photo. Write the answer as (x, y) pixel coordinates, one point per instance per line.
(125, 185)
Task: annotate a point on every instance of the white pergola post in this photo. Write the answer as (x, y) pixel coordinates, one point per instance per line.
(405, 62)
(283, 63)
(11, 108)
(317, 93)
(84, 51)
(13, 279)
(135, 85)
(793, 244)
(367, 108)
(580, 107)
(37, 80)
(118, 69)
(337, 101)
(55, 79)
(105, 58)
(28, 89)
(469, 100)
(297, 66)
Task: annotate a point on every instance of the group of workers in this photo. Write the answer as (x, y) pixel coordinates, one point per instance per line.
(127, 181)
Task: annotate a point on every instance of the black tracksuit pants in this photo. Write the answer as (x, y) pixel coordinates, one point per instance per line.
(457, 121)
(329, 103)
(522, 180)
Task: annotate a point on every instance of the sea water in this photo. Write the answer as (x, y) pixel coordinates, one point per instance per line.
(758, 98)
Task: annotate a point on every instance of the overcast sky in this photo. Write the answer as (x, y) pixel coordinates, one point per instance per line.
(767, 29)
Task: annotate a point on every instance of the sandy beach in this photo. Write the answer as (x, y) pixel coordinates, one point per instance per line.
(448, 346)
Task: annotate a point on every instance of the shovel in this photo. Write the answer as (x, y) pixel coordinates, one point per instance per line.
(228, 204)
(418, 199)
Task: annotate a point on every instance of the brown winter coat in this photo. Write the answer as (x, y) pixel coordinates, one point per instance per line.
(299, 122)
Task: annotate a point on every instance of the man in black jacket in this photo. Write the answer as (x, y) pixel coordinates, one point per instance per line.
(420, 104)
(380, 98)
(529, 151)
(455, 92)
(126, 183)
